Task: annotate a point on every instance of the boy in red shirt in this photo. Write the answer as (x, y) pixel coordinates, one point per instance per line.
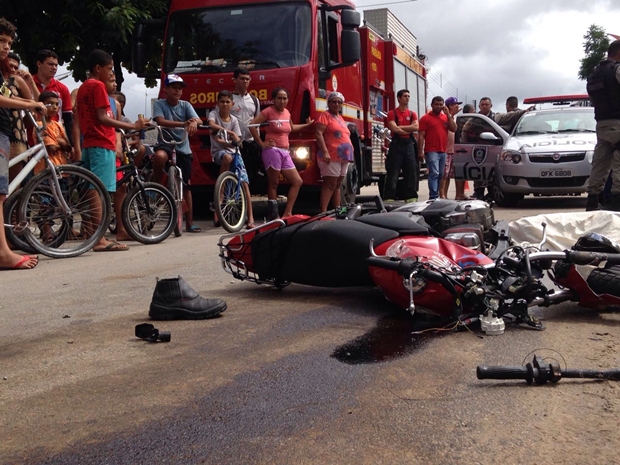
(98, 123)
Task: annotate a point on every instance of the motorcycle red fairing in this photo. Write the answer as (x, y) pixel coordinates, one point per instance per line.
(431, 296)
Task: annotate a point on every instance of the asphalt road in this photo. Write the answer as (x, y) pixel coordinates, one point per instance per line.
(298, 376)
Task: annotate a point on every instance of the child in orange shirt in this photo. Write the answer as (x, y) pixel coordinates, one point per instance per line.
(55, 139)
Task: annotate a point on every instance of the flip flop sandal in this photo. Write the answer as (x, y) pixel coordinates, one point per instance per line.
(193, 229)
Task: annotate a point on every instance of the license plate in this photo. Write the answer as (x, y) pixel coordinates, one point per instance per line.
(556, 173)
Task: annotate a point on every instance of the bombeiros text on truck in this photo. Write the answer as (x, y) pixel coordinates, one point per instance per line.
(309, 47)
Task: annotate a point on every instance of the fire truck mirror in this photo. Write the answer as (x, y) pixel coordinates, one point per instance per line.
(351, 47)
(350, 19)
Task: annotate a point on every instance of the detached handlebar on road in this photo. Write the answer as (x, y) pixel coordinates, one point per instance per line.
(540, 373)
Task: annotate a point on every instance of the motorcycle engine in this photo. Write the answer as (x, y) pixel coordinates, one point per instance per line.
(470, 212)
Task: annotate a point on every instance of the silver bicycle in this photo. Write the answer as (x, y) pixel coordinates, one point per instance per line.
(61, 212)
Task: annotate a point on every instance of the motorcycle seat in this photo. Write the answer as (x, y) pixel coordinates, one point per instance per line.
(404, 223)
(318, 253)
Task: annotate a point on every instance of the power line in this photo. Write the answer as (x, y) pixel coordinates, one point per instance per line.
(386, 3)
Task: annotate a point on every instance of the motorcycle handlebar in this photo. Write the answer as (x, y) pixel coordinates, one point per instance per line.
(592, 258)
(402, 266)
(405, 266)
(498, 372)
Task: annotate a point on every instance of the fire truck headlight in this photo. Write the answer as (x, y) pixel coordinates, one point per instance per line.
(301, 153)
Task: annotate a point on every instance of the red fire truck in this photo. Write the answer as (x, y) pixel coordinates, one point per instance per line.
(309, 47)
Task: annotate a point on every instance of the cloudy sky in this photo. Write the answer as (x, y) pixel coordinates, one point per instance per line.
(499, 48)
(477, 48)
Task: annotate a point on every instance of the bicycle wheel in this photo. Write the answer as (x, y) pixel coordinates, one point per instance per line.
(11, 219)
(230, 202)
(81, 228)
(149, 214)
(175, 186)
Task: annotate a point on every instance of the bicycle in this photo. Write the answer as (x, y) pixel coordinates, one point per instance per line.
(230, 200)
(175, 179)
(61, 212)
(149, 210)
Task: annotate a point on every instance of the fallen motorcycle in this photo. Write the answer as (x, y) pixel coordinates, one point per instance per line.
(431, 282)
(331, 249)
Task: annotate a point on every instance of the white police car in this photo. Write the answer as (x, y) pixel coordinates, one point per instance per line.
(548, 153)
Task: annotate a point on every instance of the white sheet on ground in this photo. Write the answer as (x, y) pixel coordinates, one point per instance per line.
(563, 229)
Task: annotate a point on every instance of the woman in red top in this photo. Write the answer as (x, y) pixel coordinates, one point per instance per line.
(276, 154)
(335, 150)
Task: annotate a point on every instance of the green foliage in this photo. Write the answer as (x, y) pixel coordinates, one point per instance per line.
(595, 47)
(73, 28)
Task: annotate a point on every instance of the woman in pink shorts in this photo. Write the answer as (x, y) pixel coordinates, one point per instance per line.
(276, 154)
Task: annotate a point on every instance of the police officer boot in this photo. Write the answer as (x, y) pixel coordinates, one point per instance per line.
(614, 205)
(272, 210)
(592, 204)
(173, 299)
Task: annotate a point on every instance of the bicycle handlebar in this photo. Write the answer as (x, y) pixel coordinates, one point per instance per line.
(135, 132)
(161, 130)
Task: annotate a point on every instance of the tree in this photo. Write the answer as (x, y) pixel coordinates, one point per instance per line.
(74, 28)
(595, 48)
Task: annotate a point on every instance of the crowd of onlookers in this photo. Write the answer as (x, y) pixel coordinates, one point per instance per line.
(434, 145)
(83, 126)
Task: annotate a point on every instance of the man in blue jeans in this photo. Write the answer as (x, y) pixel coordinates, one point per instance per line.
(433, 140)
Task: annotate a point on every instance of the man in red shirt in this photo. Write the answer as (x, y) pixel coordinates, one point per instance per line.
(401, 155)
(47, 65)
(433, 141)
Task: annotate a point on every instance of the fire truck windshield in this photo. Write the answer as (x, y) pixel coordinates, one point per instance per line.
(261, 36)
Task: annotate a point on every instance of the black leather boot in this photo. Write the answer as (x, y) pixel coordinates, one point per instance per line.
(173, 299)
(592, 204)
(272, 210)
(614, 205)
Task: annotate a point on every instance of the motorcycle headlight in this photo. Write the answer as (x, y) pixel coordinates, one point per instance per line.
(466, 239)
(417, 286)
(511, 156)
(301, 153)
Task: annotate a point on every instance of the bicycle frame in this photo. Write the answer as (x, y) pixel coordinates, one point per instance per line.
(38, 152)
(173, 156)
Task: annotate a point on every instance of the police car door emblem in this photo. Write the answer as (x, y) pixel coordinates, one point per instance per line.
(479, 154)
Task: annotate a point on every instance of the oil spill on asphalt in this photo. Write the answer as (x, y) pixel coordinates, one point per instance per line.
(392, 338)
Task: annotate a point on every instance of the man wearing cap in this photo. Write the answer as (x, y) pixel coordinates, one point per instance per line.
(448, 172)
(433, 141)
(402, 153)
(180, 117)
